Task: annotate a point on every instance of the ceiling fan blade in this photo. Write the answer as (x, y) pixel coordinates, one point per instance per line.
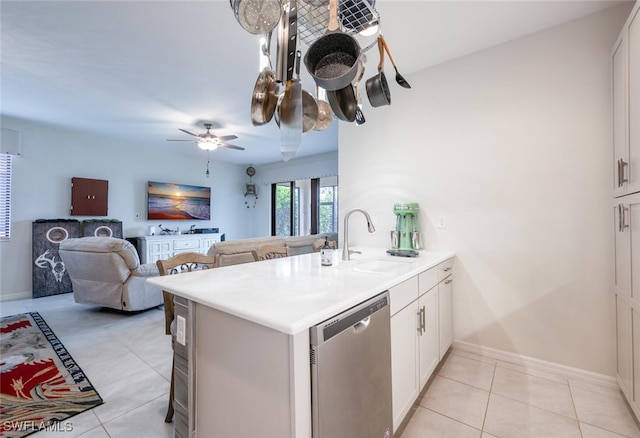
(227, 137)
(231, 146)
(180, 140)
(187, 132)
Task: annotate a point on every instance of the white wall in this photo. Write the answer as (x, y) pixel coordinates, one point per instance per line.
(512, 147)
(52, 156)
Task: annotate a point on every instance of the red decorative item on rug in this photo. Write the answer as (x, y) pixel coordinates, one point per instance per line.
(41, 385)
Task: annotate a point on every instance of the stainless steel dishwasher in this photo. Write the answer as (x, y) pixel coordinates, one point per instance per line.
(351, 373)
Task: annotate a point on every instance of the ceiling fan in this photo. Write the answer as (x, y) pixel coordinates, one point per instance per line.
(209, 141)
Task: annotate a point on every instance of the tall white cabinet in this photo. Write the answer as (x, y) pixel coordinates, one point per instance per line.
(626, 206)
(626, 107)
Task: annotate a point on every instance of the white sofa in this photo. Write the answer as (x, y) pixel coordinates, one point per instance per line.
(106, 271)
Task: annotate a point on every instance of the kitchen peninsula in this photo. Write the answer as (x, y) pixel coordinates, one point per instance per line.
(243, 335)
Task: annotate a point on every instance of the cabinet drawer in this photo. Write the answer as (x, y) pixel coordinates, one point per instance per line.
(403, 294)
(445, 269)
(186, 244)
(428, 279)
(159, 247)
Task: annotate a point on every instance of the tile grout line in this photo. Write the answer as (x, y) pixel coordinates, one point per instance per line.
(486, 409)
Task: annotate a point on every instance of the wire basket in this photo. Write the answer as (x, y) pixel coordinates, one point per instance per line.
(353, 16)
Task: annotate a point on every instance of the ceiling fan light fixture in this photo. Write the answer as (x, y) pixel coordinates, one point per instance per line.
(208, 144)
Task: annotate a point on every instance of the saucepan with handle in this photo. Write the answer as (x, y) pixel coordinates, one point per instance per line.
(332, 59)
(377, 86)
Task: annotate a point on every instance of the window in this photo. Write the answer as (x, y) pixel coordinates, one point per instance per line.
(285, 211)
(302, 207)
(328, 211)
(5, 196)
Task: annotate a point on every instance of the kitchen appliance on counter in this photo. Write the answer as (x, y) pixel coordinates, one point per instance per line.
(406, 238)
(351, 373)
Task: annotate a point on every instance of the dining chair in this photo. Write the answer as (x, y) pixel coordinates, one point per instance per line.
(178, 264)
(268, 252)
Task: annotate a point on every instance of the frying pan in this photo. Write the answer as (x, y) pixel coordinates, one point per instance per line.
(343, 103)
(377, 86)
(258, 17)
(332, 59)
(265, 91)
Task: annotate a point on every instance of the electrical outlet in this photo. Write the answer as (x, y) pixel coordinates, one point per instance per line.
(442, 222)
(181, 330)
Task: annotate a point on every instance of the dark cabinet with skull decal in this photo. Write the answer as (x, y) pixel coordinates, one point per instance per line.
(49, 273)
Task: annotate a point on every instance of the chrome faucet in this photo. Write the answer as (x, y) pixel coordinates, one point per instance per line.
(346, 252)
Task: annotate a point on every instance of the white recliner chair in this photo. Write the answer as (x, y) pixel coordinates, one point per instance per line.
(106, 271)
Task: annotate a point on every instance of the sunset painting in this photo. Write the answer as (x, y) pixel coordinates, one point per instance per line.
(178, 201)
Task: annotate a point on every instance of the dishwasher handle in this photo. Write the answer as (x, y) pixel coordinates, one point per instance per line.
(355, 318)
(362, 325)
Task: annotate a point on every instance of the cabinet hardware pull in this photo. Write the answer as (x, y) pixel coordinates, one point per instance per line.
(622, 218)
(447, 269)
(423, 322)
(419, 314)
(448, 281)
(621, 178)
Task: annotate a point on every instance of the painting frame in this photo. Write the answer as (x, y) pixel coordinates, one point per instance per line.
(177, 201)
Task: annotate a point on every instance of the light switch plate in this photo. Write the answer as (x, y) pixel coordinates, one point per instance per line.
(181, 330)
(442, 222)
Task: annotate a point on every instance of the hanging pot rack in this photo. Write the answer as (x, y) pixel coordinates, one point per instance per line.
(305, 21)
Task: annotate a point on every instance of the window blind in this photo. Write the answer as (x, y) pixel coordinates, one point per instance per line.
(5, 196)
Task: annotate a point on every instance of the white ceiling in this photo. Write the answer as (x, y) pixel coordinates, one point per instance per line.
(139, 70)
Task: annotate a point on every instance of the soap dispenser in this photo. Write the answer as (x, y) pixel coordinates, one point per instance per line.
(326, 254)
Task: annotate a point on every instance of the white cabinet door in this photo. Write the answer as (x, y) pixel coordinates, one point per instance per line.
(627, 247)
(428, 335)
(404, 361)
(445, 307)
(634, 100)
(620, 132)
(627, 296)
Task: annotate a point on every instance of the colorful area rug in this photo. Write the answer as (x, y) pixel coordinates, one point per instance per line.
(41, 386)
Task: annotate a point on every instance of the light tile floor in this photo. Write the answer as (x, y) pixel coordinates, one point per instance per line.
(479, 397)
(128, 359)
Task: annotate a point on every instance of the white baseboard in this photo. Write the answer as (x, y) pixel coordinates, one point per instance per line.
(15, 296)
(537, 364)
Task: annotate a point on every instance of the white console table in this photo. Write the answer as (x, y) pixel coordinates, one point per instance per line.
(154, 248)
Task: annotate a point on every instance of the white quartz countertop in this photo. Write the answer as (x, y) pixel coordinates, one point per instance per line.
(294, 293)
